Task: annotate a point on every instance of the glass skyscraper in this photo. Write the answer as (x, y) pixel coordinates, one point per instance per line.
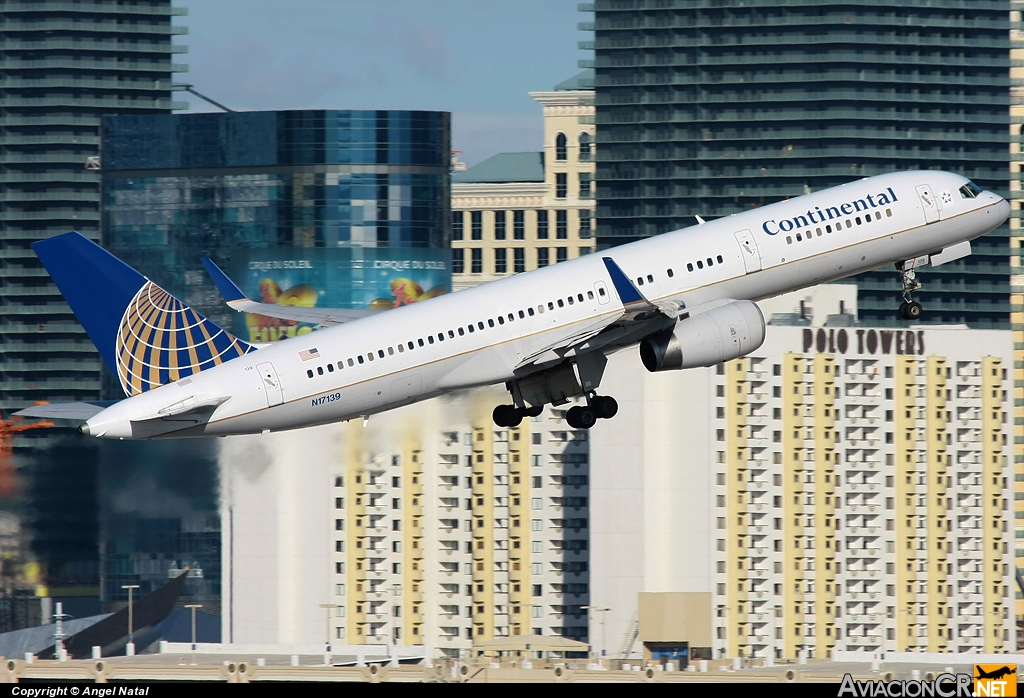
(63, 65)
(712, 107)
(179, 187)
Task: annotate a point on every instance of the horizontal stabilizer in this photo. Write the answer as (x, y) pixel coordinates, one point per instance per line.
(76, 411)
(317, 316)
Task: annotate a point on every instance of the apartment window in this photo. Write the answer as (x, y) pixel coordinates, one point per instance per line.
(561, 254)
(585, 192)
(560, 147)
(457, 225)
(561, 186)
(519, 225)
(477, 266)
(562, 225)
(584, 147)
(542, 225)
(585, 229)
(458, 260)
(537, 525)
(499, 224)
(538, 590)
(500, 261)
(519, 260)
(542, 256)
(477, 225)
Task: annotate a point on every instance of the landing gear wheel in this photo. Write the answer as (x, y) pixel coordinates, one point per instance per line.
(507, 416)
(910, 310)
(580, 417)
(533, 411)
(604, 406)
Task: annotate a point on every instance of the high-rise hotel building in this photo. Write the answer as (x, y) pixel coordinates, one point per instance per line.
(517, 212)
(844, 487)
(711, 108)
(63, 65)
(427, 527)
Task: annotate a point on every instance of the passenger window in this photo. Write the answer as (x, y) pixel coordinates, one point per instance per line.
(350, 363)
(849, 223)
(420, 341)
(858, 220)
(571, 301)
(878, 216)
(719, 259)
(430, 339)
(600, 291)
(650, 279)
(561, 304)
(413, 346)
(817, 231)
(501, 320)
(590, 295)
(451, 335)
(521, 315)
(391, 352)
(789, 240)
(670, 274)
(330, 368)
(711, 262)
(551, 306)
(360, 358)
(579, 297)
(370, 356)
(828, 228)
(380, 353)
(440, 336)
(700, 264)
(470, 328)
(639, 281)
(462, 332)
(490, 323)
(341, 365)
(888, 213)
(540, 309)
(480, 325)
(529, 312)
(689, 267)
(511, 317)
(798, 238)
(401, 348)
(309, 373)
(319, 370)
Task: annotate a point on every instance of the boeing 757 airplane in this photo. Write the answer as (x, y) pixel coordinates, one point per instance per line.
(686, 298)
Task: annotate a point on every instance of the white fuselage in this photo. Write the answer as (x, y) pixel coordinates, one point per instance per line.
(367, 366)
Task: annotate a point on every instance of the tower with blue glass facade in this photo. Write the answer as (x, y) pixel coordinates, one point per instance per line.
(714, 107)
(183, 186)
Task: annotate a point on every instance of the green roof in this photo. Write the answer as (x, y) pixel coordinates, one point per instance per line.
(582, 81)
(504, 167)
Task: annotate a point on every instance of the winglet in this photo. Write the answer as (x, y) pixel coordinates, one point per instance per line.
(628, 293)
(226, 286)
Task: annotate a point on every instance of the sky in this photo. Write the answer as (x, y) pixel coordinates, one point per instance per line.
(477, 59)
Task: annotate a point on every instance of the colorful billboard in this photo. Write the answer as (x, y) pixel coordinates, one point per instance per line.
(343, 277)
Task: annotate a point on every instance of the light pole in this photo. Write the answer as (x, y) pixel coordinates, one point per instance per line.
(193, 606)
(327, 612)
(130, 647)
(602, 611)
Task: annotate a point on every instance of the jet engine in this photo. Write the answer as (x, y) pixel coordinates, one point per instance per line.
(723, 333)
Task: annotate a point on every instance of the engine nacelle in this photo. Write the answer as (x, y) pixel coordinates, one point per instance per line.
(724, 333)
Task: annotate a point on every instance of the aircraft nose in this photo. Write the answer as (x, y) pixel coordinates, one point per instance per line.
(1003, 210)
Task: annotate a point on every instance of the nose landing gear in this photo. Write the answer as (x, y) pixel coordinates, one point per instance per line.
(909, 309)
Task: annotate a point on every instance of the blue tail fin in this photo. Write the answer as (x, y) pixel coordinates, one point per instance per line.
(147, 336)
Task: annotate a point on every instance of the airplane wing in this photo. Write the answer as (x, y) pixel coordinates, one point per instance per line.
(238, 301)
(639, 318)
(76, 411)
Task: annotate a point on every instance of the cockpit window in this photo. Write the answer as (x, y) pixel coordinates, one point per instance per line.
(970, 190)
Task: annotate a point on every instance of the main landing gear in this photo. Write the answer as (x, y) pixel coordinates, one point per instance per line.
(578, 417)
(909, 309)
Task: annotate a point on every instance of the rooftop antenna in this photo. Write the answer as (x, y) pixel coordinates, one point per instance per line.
(189, 88)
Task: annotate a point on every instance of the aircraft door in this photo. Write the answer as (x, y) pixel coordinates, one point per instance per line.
(928, 203)
(749, 252)
(602, 292)
(271, 384)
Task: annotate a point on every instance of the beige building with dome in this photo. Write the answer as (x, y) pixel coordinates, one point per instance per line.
(516, 212)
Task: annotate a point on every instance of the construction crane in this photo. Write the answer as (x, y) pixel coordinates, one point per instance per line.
(9, 428)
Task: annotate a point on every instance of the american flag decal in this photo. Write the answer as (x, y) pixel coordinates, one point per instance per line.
(309, 354)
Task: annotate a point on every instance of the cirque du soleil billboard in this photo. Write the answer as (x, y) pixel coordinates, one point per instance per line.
(377, 279)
